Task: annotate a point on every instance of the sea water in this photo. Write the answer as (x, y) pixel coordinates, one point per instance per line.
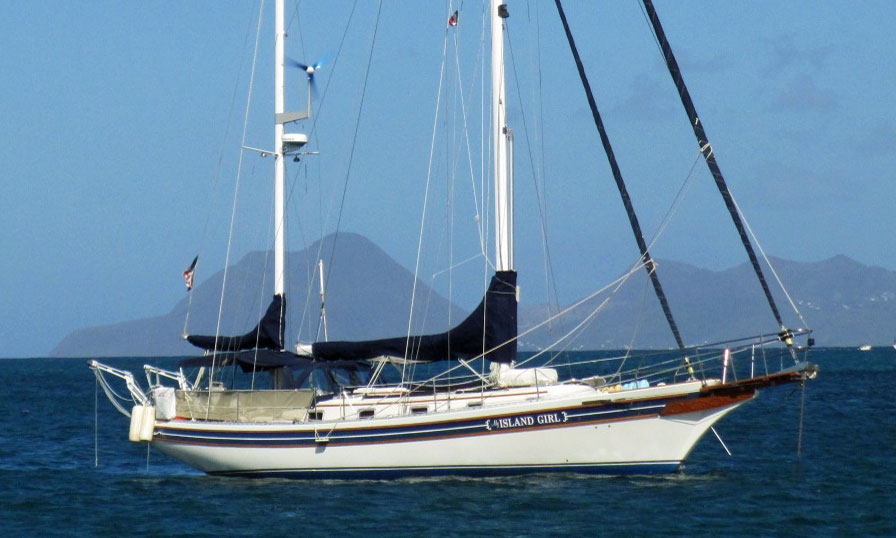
(66, 468)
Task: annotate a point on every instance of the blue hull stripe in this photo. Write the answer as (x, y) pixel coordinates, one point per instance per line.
(492, 425)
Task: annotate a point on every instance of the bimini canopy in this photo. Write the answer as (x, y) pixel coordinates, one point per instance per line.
(268, 334)
(336, 374)
(489, 331)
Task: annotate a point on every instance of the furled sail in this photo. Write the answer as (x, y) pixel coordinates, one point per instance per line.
(268, 334)
(490, 331)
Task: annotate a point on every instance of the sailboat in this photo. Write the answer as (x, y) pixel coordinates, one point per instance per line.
(332, 410)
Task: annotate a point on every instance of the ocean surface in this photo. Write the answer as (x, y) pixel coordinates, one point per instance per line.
(66, 468)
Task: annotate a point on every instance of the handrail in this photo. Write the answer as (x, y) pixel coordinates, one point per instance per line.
(137, 393)
(176, 376)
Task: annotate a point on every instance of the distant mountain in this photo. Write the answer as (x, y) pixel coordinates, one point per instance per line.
(354, 312)
(845, 302)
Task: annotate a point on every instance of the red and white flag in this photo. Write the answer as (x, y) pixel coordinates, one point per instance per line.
(188, 274)
(452, 21)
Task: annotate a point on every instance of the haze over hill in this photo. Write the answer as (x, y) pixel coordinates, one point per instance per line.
(368, 294)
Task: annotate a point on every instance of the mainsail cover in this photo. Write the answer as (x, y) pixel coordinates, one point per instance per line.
(268, 334)
(489, 331)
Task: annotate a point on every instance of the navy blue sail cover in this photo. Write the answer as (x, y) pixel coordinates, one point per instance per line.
(268, 334)
(489, 331)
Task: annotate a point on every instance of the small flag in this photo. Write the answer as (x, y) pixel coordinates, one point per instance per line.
(188, 274)
(452, 21)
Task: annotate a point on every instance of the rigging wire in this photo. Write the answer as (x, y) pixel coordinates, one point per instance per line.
(650, 266)
(259, 314)
(550, 280)
(218, 168)
(309, 271)
(676, 203)
(485, 148)
(539, 171)
(466, 129)
(293, 183)
(708, 155)
(236, 190)
(321, 219)
(637, 328)
(453, 163)
(616, 285)
(799, 439)
(428, 182)
(351, 156)
(96, 422)
(451, 171)
(659, 39)
(662, 370)
(667, 369)
(493, 158)
(618, 282)
(768, 263)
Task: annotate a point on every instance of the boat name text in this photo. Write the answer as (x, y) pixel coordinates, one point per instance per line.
(525, 421)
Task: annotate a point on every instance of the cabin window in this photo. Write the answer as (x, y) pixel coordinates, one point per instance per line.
(315, 415)
(475, 404)
(419, 410)
(365, 413)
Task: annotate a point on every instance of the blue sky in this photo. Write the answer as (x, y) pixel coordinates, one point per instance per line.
(122, 121)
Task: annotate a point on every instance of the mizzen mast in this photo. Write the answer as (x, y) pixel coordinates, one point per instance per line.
(502, 139)
(279, 165)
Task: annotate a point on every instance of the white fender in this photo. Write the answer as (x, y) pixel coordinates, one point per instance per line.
(148, 423)
(136, 423)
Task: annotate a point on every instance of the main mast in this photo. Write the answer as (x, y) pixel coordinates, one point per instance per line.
(501, 138)
(279, 165)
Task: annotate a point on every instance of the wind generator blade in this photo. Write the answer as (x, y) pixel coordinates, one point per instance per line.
(295, 63)
(309, 70)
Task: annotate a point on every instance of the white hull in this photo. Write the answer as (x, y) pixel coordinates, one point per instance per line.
(619, 435)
